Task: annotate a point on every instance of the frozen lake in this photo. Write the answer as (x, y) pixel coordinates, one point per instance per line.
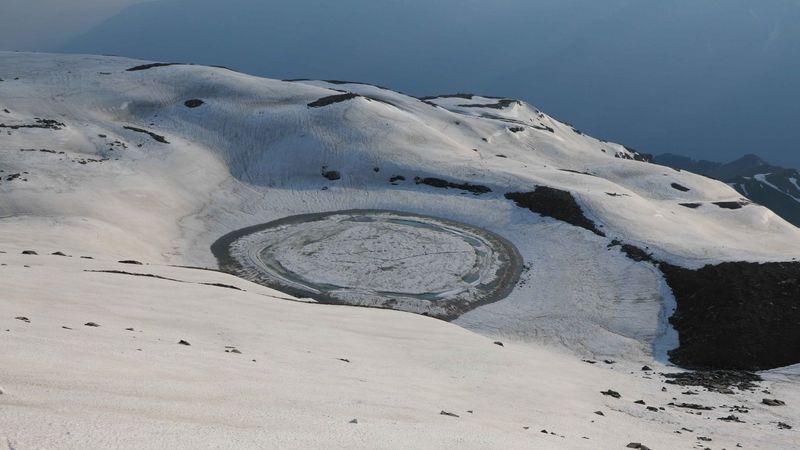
(375, 258)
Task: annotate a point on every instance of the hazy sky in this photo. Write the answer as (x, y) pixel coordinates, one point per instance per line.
(46, 24)
(711, 79)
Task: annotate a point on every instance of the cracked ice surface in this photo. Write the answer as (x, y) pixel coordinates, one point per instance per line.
(379, 258)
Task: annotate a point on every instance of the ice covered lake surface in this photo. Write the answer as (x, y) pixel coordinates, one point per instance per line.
(376, 258)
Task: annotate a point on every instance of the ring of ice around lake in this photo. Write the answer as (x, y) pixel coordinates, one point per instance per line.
(376, 258)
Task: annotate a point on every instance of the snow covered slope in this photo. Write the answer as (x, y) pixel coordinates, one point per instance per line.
(160, 161)
(309, 376)
(124, 160)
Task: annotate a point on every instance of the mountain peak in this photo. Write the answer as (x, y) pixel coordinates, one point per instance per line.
(751, 159)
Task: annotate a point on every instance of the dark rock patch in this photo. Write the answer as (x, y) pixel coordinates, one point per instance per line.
(499, 343)
(150, 66)
(459, 95)
(679, 187)
(736, 315)
(611, 393)
(29, 252)
(691, 205)
(130, 261)
(632, 252)
(449, 414)
(354, 82)
(717, 380)
(58, 254)
(183, 342)
(773, 402)
(731, 418)
(332, 175)
(516, 129)
(440, 183)
(694, 406)
(501, 104)
(554, 203)
(784, 426)
(396, 178)
(226, 286)
(91, 324)
(638, 446)
(639, 156)
(193, 103)
(579, 173)
(47, 124)
(156, 137)
(544, 128)
(330, 100)
(23, 319)
(732, 205)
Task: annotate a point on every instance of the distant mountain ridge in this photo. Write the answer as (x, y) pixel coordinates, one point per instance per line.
(777, 188)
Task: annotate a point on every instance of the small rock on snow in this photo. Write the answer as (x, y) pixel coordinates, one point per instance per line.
(611, 393)
(637, 446)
